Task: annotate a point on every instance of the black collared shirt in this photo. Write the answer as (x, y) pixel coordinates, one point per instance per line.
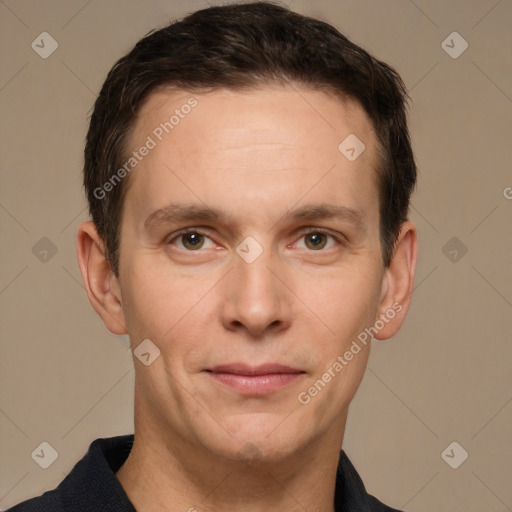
(92, 485)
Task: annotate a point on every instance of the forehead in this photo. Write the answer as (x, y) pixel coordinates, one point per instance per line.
(279, 137)
(272, 115)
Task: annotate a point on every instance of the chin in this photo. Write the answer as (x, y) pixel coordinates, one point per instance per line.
(258, 437)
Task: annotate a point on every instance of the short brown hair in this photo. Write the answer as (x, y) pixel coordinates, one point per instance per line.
(239, 46)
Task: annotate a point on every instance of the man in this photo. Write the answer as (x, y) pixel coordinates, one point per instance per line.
(248, 172)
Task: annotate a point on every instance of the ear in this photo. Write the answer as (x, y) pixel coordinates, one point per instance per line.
(100, 282)
(398, 283)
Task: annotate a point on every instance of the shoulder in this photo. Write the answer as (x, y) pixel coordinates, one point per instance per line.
(91, 485)
(378, 506)
(48, 501)
(351, 494)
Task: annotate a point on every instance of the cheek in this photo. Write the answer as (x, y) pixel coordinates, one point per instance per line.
(346, 305)
(164, 308)
(344, 302)
(147, 305)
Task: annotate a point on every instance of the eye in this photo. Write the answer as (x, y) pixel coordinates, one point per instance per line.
(191, 240)
(316, 240)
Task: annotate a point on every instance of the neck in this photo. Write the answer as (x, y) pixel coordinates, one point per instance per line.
(166, 473)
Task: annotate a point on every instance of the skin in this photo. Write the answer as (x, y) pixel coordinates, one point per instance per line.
(255, 155)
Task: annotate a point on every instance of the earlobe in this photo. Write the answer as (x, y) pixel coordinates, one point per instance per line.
(100, 283)
(398, 283)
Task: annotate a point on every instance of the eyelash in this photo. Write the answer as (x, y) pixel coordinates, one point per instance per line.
(338, 238)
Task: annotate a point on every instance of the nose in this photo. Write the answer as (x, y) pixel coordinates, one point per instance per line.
(256, 300)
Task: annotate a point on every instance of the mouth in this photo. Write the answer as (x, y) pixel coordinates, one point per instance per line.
(255, 380)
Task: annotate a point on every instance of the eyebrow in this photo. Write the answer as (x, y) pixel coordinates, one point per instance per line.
(192, 212)
(328, 211)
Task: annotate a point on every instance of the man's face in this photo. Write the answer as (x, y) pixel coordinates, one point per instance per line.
(204, 298)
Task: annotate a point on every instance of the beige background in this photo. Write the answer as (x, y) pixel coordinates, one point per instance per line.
(445, 377)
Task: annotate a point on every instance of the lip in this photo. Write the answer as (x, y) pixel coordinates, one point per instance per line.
(255, 380)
